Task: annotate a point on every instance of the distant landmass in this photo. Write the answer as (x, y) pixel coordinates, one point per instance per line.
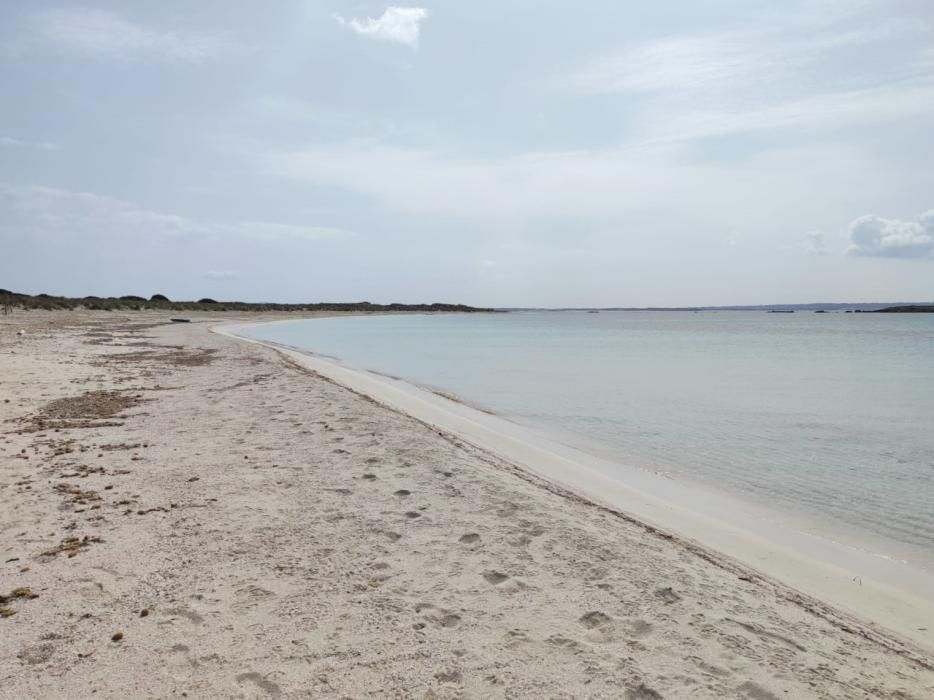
(158, 302)
(908, 309)
(882, 307)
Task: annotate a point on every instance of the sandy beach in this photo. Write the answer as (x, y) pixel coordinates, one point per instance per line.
(185, 514)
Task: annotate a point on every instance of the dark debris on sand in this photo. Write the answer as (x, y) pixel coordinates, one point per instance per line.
(89, 410)
(23, 593)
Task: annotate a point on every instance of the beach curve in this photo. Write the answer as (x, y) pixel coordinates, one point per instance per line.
(877, 598)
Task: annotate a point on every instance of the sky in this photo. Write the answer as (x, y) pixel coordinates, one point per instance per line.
(507, 153)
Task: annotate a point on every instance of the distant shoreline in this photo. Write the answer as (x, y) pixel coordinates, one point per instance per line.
(873, 307)
(159, 302)
(909, 309)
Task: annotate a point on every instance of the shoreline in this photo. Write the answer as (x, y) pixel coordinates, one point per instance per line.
(884, 594)
(188, 514)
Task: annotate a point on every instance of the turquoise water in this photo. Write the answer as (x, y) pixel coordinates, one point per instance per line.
(826, 418)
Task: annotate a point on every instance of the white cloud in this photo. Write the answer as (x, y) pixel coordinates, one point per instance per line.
(398, 24)
(50, 212)
(892, 238)
(12, 142)
(814, 243)
(93, 32)
(221, 275)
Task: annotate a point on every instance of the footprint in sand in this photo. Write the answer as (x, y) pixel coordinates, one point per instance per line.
(448, 676)
(642, 692)
(507, 509)
(559, 641)
(594, 619)
(495, 577)
(753, 691)
(668, 595)
(449, 620)
(267, 686)
(250, 597)
(193, 617)
(36, 654)
(469, 538)
(179, 663)
(443, 618)
(639, 628)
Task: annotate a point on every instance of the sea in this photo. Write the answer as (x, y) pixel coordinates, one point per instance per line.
(824, 419)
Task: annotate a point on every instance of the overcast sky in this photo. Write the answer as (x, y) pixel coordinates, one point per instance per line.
(507, 152)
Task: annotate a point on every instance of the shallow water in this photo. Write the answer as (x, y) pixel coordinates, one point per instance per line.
(825, 418)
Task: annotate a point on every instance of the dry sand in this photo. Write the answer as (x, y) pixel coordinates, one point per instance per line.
(187, 514)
